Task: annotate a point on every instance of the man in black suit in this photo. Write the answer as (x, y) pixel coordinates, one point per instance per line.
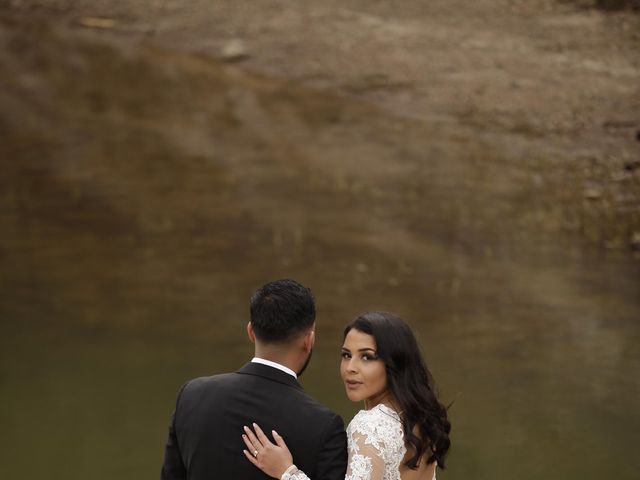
(205, 432)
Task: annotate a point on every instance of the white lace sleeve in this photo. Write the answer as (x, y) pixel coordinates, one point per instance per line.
(376, 447)
(366, 460)
(367, 463)
(294, 474)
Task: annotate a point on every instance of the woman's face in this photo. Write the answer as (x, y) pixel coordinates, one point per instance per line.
(362, 372)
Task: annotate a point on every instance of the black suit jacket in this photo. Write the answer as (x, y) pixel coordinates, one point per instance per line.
(205, 432)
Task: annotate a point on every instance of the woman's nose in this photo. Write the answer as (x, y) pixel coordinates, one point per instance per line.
(352, 366)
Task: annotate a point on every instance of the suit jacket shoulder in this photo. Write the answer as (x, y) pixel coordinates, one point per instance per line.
(211, 411)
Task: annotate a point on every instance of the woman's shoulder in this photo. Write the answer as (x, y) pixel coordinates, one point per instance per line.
(380, 422)
(379, 429)
(380, 411)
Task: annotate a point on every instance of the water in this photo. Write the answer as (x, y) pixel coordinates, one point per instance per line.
(135, 226)
(540, 389)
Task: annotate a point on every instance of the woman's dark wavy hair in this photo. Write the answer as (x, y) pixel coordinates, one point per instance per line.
(411, 385)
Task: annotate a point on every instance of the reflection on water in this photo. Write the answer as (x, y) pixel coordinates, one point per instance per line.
(133, 233)
(543, 382)
(541, 389)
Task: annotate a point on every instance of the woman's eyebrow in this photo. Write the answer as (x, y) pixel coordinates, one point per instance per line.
(366, 349)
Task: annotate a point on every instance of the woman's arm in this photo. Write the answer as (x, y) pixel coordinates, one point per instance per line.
(366, 461)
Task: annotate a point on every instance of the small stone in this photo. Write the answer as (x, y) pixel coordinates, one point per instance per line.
(620, 176)
(592, 194)
(613, 244)
(631, 166)
(234, 51)
(537, 180)
(361, 268)
(95, 22)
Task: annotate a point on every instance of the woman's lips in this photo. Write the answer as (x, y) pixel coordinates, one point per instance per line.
(352, 384)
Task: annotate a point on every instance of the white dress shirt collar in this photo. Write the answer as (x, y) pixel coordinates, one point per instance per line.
(274, 365)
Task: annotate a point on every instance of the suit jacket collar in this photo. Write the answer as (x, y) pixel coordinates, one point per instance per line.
(271, 373)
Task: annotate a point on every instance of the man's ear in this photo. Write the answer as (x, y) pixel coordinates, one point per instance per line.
(251, 333)
(310, 339)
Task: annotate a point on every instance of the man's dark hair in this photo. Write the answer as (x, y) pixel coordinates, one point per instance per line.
(280, 310)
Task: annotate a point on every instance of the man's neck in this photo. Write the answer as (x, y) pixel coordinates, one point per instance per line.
(274, 364)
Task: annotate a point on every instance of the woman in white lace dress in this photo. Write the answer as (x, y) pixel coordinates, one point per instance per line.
(403, 431)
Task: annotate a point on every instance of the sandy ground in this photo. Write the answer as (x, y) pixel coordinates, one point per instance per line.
(550, 89)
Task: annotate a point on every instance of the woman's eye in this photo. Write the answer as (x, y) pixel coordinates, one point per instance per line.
(369, 357)
(345, 355)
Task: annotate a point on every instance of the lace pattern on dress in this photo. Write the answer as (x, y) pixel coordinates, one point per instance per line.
(376, 441)
(376, 446)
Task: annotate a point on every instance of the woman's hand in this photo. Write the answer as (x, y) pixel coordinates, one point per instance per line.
(272, 459)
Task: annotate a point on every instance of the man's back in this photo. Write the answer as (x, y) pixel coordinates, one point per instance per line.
(205, 436)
